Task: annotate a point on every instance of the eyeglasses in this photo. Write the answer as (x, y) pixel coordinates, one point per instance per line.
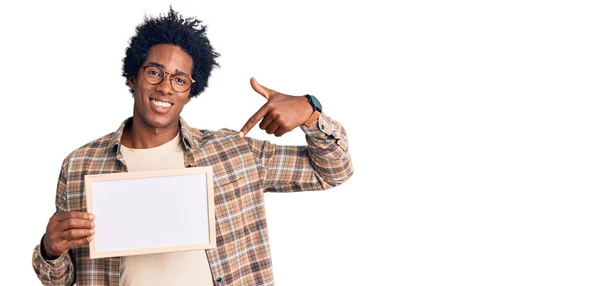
(155, 75)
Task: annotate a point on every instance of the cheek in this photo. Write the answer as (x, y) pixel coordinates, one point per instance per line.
(141, 92)
(183, 100)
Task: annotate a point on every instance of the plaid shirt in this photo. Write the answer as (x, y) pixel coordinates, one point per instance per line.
(243, 168)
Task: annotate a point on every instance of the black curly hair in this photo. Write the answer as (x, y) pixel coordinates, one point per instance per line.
(187, 33)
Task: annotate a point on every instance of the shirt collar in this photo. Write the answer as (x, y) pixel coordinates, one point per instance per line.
(185, 130)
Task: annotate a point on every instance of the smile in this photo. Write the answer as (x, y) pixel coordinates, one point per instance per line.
(161, 103)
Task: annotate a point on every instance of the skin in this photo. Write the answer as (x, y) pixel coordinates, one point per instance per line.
(66, 231)
(152, 127)
(280, 114)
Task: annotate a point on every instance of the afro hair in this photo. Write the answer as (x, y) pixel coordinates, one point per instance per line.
(187, 33)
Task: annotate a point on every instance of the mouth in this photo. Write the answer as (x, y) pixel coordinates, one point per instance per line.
(160, 103)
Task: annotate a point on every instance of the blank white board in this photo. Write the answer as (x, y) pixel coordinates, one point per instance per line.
(151, 212)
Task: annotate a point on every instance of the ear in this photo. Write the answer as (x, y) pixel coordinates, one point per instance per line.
(131, 82)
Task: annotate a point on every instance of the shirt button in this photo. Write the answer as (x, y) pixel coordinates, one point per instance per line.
(322, 127)
(219, 279)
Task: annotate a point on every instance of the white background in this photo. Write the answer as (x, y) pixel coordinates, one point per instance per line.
(473, 126)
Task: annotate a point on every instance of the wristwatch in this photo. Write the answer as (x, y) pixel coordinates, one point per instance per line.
(316, 105)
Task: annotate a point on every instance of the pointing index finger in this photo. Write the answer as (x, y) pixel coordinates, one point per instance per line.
(253, 120)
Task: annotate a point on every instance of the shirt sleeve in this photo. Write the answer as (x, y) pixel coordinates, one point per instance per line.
(59, 271)
(322, 164)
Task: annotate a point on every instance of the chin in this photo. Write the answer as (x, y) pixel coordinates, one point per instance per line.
(159, 122)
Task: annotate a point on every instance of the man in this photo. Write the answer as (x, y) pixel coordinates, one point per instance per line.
(168, 62)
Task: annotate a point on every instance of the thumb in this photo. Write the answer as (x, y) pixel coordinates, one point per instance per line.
(265, 92)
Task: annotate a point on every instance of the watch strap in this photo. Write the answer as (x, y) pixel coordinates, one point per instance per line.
(313, 117)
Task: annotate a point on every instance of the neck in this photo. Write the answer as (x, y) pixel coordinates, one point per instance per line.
(141, 136)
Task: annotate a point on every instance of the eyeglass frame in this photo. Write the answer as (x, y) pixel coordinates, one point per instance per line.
(165, 73)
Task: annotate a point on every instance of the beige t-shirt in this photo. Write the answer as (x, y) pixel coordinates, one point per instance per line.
(174, 268)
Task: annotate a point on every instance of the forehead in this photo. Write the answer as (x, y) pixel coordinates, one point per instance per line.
(172, 57)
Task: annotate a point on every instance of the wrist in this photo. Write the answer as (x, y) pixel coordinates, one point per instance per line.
(307, 109)
(316, 109)
(45, 250)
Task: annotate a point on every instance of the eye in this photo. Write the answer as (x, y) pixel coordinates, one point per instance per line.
(154, 72)
(180, 80)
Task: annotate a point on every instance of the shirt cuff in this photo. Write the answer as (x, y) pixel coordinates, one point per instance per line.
(323, 125)
(52, 263)
(325, 130)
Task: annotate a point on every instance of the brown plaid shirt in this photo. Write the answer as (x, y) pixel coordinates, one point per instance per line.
(243, 168)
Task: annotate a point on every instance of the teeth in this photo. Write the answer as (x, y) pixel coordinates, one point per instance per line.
(160, 103)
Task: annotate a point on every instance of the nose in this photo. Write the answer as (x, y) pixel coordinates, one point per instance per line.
(164, 86)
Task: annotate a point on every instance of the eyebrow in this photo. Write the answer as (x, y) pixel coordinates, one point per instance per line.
(163, 67)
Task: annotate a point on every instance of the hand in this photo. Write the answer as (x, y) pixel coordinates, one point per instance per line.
(281, 114)
(67, 230)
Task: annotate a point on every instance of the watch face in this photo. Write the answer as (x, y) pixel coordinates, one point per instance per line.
(316, 103)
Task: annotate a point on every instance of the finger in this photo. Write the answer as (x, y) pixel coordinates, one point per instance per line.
(79, 242)
(79, 215)
(270, 117)
(73, 234)
(272, 127)
(253, 120)
(281, 130)
(264, 91)
(76, 223)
